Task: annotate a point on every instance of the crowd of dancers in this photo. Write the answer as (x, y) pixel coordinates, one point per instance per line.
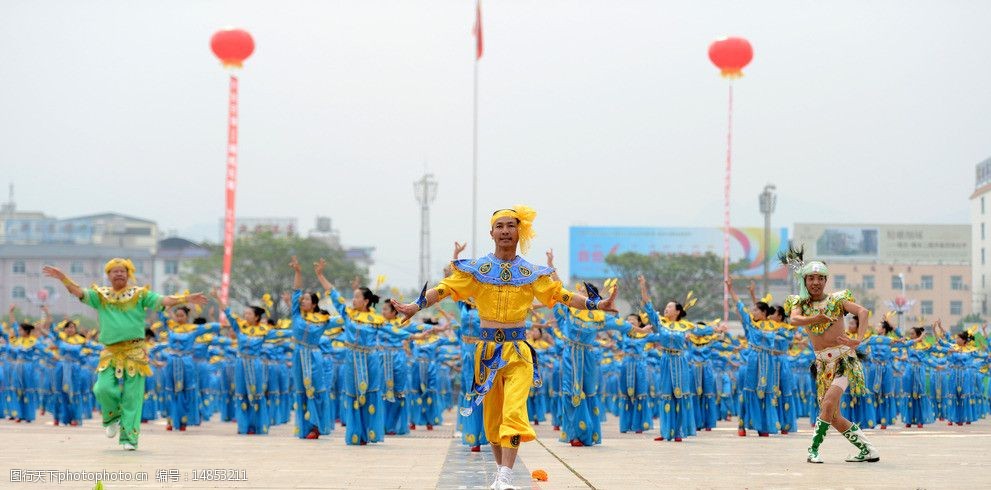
(358, 366)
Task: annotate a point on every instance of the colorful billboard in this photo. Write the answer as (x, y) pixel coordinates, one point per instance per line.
(886, 244)
(591, 245)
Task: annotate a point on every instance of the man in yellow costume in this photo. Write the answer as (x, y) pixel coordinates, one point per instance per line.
(503, 286)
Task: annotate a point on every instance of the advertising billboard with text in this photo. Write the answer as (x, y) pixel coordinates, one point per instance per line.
(589, 246)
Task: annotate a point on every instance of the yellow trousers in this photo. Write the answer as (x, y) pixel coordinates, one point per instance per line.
(504, 415)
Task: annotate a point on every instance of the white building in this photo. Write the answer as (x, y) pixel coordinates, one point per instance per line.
(980, 270)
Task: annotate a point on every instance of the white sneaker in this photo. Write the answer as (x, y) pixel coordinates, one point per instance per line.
(128, 446)
(506, 485)
(498, 477)
(112, 430)
(505, 481)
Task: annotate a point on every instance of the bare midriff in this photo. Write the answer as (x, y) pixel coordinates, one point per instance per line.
(495, 324)
(830, 338)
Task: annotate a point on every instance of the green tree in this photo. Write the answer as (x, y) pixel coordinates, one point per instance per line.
(670, 278)
(867, 299)
(261, 265)
(967, 320)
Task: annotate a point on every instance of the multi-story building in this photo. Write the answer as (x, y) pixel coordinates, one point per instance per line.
(928, 265)
(979, 222)
(172, 261)
(23, 285)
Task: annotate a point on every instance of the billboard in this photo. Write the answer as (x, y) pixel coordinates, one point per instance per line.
(281, 227)
(589, 246)
(911, 244)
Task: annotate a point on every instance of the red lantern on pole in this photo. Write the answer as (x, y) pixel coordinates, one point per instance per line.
(730, 55)
(232, 46)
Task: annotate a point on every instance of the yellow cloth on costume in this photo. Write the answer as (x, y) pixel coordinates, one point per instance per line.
(507, 424)
(129, 356)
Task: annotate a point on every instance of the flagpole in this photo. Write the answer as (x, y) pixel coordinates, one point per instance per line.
(474, 135)
(474, 167)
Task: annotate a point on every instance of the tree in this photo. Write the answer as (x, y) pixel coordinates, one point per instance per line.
(967, 320)
(670, 278)
(866, 299)
(261, 265)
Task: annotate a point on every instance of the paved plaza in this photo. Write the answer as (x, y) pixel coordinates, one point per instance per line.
(213, 456)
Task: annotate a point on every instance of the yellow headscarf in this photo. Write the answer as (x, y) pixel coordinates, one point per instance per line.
(119, 262)
(525, 215)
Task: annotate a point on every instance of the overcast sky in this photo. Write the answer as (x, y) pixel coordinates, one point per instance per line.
(592, 112)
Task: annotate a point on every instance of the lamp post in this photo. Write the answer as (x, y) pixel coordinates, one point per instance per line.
(425, 190)
(767, 201)
(901, 279)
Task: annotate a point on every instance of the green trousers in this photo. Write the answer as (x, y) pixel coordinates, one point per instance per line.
(121, 401)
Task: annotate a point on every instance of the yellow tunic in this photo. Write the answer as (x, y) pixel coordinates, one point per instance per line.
(502, 303)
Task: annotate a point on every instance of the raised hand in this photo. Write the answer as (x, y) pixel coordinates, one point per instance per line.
(752, 287)
(550, 257)
(319, 265)
(294, 264)
(848, 342)
(197, 299)
(53, 272)
(608, 304)
(407, 310)
(215, 294)
(458, 248)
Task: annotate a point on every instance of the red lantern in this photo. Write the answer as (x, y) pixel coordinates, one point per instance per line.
(730, 55)
(232, 46)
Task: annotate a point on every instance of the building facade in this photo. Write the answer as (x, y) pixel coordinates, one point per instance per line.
(928, 265)
(23, 285)
(979, 222)
(172, 261)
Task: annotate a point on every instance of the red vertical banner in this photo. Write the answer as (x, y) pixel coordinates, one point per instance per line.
(230, 186)
(232, 46)
(477, 31)
(726, 197)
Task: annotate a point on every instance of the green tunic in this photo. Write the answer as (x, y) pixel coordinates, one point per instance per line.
(121, 315)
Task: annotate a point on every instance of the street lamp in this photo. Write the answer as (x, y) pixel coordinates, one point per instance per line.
(767, 201)
(425, 190)
(902, 310)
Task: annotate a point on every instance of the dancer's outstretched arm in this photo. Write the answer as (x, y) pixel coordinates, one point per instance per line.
(70, 285)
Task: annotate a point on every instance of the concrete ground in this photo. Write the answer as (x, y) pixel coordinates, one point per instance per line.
(933, 457)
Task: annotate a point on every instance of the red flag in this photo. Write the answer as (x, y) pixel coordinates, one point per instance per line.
(477, 30)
